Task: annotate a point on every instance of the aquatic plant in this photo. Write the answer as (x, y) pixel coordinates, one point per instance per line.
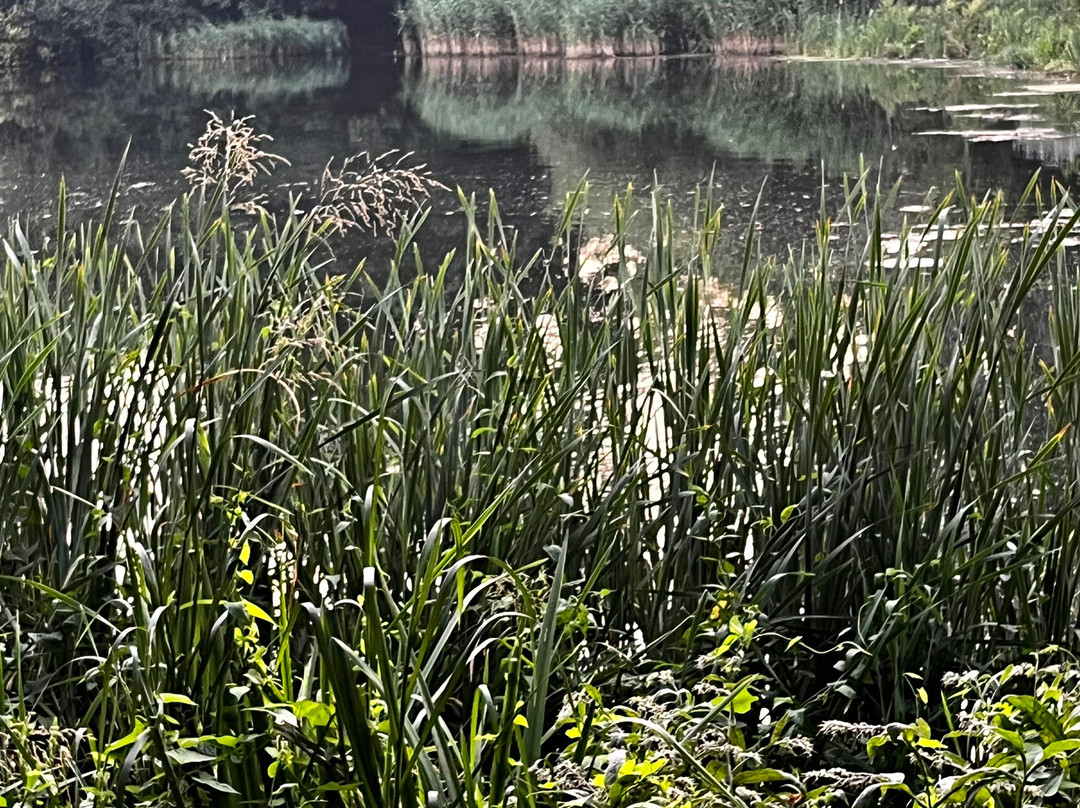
(274, 534)
(596, 27)
(1039, 35)
(257, 38)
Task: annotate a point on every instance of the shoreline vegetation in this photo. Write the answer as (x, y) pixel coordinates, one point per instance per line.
(1024, 34)
(1037, 36)
(599, 47)
(253, 39)
(687, 524)
(577, 29)
(54, 34)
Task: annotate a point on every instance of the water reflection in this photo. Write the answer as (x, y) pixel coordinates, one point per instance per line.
(633, 121)
(255, 80)
(531, 130)
(637, 116)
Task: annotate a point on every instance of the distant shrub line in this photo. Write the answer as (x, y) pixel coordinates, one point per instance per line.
(578, 28)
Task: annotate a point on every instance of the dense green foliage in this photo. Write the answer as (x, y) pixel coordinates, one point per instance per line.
(1021, 33)
(274, 536)
(103, 30)
(1043, 34)
(673, 25)
(260, 38)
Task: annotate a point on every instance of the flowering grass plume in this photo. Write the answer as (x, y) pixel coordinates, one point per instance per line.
(369, 193)
(373, 193)
(230, 155)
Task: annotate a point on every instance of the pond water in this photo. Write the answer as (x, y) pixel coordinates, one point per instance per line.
(532, 130)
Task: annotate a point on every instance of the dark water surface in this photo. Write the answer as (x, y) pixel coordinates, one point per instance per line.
(531, 131)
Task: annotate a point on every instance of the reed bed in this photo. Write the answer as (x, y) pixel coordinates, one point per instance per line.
(255, 38)
(274, 534)
(589, 28)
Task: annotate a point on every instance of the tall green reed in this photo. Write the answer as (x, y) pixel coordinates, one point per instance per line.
(677, 26)
(274, 535)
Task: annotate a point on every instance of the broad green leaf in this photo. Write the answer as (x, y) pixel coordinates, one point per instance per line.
(176, 698)
(216, 785)
(743, 702)
(186, 757)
